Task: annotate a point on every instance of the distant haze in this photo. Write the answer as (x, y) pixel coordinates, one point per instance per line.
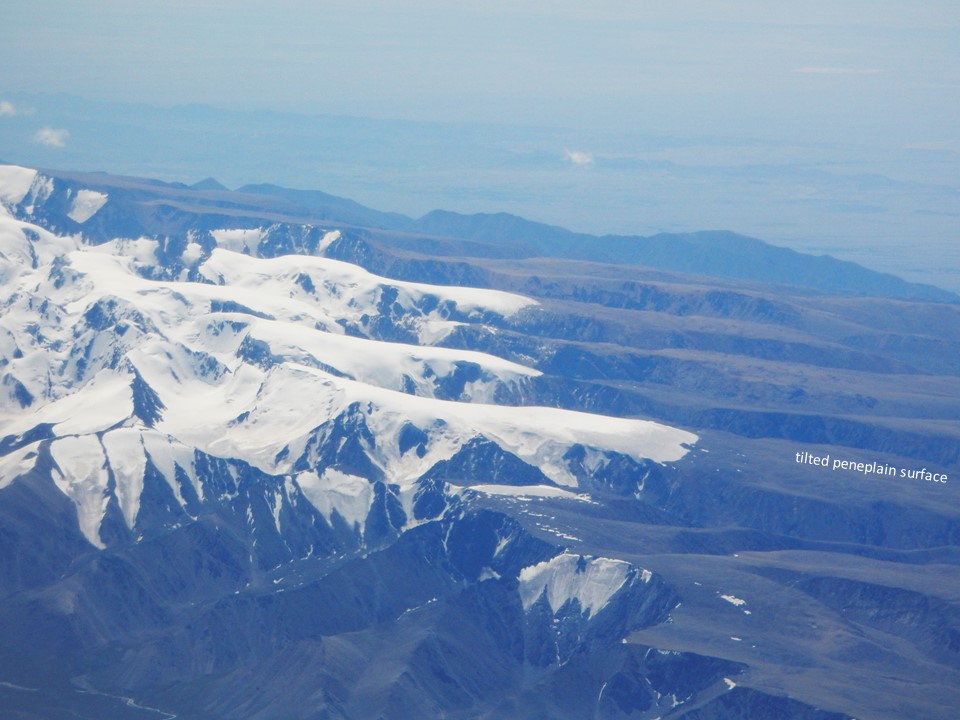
(827, 126)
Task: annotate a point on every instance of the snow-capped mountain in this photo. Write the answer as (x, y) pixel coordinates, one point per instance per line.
(151, 386)
(259, 360)
(257, 467)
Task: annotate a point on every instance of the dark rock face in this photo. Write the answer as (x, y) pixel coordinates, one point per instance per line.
(743, 702)
(191, 609)
(481, 460)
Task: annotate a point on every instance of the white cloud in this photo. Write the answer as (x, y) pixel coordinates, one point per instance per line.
(51, 137)
(8, 109)
(814, 70)
(578, 157)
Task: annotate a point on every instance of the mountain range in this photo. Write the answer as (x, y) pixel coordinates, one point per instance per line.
(271, 454)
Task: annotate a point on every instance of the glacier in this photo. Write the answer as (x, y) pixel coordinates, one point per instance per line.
(249, 358)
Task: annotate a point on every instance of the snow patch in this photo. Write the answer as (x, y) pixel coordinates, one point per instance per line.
(591, 581)
(124, 448)
(168, 455)
(524, 492)
(99, 405)
(349, 495)
(328, 239)
(83, 478)
(276, 504)
(245, 241)
(15, 182)
(385, 364)
(193, 253)
(17, 463)
(86, 204)
(559, 533)
(361, 286)
(433, 331)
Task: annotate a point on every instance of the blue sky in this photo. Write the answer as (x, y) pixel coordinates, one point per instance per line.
(827, 126)
(877, 70)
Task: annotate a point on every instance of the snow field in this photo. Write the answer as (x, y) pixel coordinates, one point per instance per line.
(251, 366)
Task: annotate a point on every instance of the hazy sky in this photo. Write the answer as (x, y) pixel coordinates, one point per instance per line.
(876, 71)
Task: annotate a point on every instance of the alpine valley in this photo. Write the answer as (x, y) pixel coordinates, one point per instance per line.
(269, 454)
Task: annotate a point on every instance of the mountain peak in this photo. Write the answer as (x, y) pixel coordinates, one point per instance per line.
(209, 183)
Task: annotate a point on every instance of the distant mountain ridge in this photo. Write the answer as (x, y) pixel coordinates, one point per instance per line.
(718, 253)
(151, 207)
